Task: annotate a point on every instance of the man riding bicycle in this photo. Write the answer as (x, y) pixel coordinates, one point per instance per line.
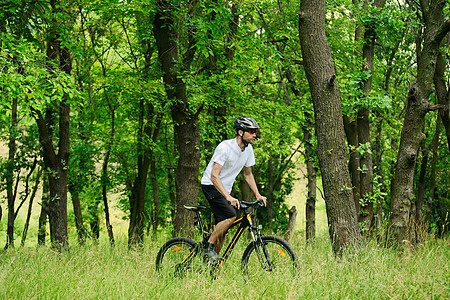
(229, 158)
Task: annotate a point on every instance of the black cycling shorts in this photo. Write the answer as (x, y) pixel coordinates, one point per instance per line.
(219, 205)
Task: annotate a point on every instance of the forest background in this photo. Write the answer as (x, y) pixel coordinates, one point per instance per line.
(128, 98)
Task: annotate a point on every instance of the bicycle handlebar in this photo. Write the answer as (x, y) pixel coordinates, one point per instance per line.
(245, 204)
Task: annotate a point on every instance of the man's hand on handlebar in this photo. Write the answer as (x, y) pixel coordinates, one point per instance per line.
(234, 202)
(261, 201)
(262, 198)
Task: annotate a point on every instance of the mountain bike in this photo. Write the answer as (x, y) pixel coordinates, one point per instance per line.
(265, 253)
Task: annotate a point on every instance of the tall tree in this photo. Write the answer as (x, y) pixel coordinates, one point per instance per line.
(417, 106)
(365, 157)
(331, 150)
(442, 91)
(56, 161)
(13, 25)
(185, 117)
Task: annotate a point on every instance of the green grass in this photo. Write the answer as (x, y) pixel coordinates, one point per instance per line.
(104, 272)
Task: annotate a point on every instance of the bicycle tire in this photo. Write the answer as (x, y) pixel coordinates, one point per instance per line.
(282, 257)
(176, 257)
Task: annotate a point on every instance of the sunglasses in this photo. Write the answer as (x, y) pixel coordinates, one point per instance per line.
(251, 131)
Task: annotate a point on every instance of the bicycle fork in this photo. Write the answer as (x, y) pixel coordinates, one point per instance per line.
(266, 263)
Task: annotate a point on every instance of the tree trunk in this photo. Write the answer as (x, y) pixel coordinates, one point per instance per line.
(311, 171)
(149, 124)
(172, 194)
(270, 190)
(245, 193)
(291, 224)
(416, 108)
(42, 232)
(421, 188)
(30, 206)
(57, 208)
(377, 158)
(104, 176)
(331, 150)
(351, 131)
(56, 163)
(187, 140)
(432, 187)
(94, 218)
(79, 176)
(10, 193)
(154, 178)
(81, 232)
(366, 170)
(365, 158)
(137, 205)
(443, 94)
(186, 130)
(156, 206)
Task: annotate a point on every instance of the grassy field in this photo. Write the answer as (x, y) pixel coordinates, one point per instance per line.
(98, 271)
(104, 272)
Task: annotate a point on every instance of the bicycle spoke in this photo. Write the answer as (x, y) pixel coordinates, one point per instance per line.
(276, 259)
(177, 258)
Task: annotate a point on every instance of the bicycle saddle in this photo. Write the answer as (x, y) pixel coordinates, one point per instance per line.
(194, 207)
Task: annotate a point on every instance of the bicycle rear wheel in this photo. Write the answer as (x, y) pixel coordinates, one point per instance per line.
(273, 256)
(176, 257)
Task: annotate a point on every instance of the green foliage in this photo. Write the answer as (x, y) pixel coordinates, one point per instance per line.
(255, 70)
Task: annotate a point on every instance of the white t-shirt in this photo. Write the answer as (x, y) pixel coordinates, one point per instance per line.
(232, 159)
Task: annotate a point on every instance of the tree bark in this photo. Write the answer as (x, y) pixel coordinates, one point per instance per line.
(365, 159)
(11, 195)
(156, 204)
(104, 176)
(154, 177)
(149, 124)
(421, 188)
(42, 232)
(186, 130)
(81, 233)
(331, 150)
(172, 193)
(137, 203)
(432, 187)
(57, 166)
(366, 170)
(56, 163)
(417, 107)
(311, 172)
(291, 224)
(270, 189)
(351, 132)
(378, 169)
(187, 140)
(30, 206)
(443, 94)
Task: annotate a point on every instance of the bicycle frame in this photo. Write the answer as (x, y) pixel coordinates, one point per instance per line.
(245, 222)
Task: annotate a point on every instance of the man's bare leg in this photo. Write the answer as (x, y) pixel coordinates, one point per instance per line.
(219, 243)
(218, 235)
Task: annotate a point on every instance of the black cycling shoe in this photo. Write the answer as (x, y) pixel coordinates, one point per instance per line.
(209, 252)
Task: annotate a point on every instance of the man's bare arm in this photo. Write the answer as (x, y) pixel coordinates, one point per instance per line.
(219, 185)
(250, 179)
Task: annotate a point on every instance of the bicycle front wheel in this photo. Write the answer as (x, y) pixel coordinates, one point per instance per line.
(271, 256)
(176, 257)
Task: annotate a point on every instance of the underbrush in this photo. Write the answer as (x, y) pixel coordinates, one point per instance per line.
(99, 271)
